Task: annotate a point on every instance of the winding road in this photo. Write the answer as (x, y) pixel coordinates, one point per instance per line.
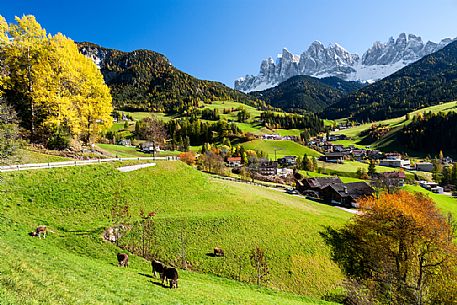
(34, 166)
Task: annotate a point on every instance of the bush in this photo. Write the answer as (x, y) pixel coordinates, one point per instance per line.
(59, 141)
(187, 157)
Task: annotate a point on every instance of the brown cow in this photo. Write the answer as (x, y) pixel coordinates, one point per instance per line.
(218, 251)
(170, 274)
(157, 267)
(40, 231)
(123, 259)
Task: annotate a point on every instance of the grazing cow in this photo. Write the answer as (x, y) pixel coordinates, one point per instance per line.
(123, 259)
(157, 267)
(40, 231)
(218, 251)
(170, 274)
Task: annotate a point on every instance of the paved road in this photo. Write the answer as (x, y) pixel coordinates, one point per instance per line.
(33, 166)
(131, 168)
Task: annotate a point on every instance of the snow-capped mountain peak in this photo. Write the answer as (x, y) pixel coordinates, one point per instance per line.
(379, 61)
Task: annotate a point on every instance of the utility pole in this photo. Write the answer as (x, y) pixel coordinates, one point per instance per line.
(276, 149)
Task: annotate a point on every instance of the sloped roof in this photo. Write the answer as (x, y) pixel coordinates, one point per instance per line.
(353, 189)
(334, 154)
(322, 182)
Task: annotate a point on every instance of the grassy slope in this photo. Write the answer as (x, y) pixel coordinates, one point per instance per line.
(282, 147)
(251, 125)
(24, 156)
(130, 152)
(41, 272)
(76, 204)
(395, 124)
(446, 203)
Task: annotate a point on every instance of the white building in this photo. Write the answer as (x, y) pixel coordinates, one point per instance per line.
(394, 162)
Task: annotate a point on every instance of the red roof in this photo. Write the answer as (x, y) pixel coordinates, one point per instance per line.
(234, 159)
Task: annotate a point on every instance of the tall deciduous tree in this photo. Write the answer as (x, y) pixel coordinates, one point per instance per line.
(153, 130)
(53, 87)
(399, 250)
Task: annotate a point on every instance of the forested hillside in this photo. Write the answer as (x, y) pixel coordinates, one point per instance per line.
(144, 80)
(342, 85)
(427, 82)
(301, 93)
(431, 132)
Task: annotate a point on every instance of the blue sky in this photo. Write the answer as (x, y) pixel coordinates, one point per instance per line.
(222, 40)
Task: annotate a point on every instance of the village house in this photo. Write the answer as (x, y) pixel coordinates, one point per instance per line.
(271, 137)
(392, 179)
(234, 161)
(394, 160)
(326, 147)
(359, 154)
(333, 191)
(431, 186)
(338, 148)
(346, 194)
(288, 161)
(336, 137)
(374, 154)
(316, 183)
(149, 147)
(284, 172)
(424, 166)
(333, 157)
(265, 168)
(124, 142)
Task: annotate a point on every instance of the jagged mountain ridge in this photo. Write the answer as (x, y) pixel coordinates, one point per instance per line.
(379, 61)
(144, 80)
(426, 82)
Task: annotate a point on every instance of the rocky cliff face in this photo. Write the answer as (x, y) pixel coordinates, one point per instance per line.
(381, 60)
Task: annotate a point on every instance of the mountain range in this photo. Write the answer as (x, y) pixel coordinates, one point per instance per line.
(143, 80)
(379, 61)
(427, 82)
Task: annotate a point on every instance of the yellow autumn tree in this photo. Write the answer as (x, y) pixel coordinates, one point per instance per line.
(56, 90)
(23, 45)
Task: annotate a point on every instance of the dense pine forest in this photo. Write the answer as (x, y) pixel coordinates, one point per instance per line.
(301, 93)
(431, 133)
(185, 132)
(307, 121)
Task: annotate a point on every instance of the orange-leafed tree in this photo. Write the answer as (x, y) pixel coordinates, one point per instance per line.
(399, 250)
(187, 157)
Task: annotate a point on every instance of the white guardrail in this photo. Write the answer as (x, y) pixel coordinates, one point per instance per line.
(31, 166)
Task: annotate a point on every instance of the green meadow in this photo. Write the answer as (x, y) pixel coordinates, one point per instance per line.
(282, 148)
(75, 266)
